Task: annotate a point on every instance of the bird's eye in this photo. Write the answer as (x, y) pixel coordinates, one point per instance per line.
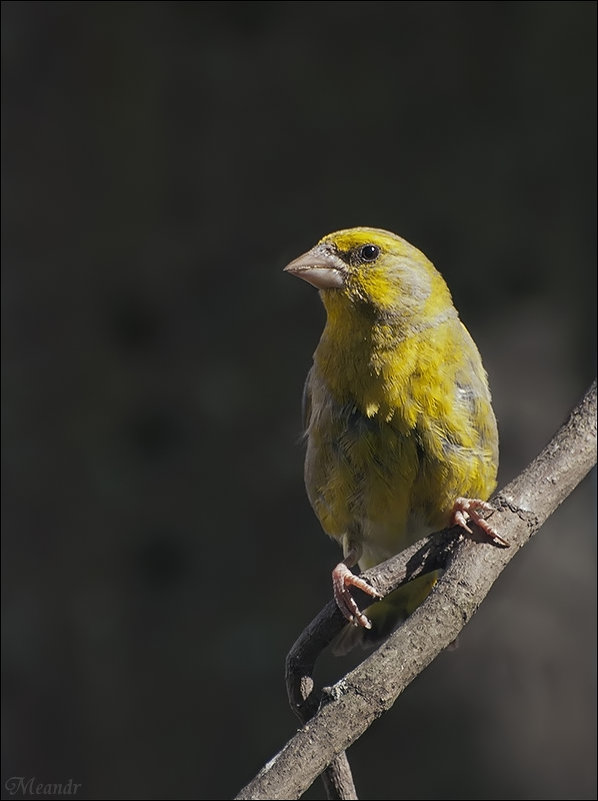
(369, 253)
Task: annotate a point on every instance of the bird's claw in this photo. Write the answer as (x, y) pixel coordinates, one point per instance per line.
(465, 509)
(342, 579)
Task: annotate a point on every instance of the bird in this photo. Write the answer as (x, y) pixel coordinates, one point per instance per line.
(401, 437)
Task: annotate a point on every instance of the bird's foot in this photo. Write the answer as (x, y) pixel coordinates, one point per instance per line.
(342, 579)
(471, 509)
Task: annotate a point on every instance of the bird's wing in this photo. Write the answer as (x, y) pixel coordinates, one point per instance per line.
(306, 402)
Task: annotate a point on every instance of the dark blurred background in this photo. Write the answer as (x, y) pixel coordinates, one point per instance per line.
(161, 163)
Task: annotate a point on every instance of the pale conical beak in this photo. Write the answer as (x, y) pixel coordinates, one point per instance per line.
(320, 267)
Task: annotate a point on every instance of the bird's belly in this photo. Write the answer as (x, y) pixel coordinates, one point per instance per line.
(371, 482)
(362, 478)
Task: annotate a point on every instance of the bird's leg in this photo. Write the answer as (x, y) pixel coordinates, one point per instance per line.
(465, 509)
(342, 579)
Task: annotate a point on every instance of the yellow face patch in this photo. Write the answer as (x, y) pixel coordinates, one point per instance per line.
(397, 280)
(352, 238)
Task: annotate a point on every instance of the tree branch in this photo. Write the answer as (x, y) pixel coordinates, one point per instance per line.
(471, 566)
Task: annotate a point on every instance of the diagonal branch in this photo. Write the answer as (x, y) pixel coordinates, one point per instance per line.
(471, 567)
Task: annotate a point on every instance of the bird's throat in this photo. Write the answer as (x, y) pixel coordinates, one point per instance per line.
(366, 362)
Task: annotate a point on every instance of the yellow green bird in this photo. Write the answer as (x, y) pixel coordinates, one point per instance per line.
(401, 436)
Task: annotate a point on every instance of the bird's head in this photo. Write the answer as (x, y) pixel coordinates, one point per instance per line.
(373, 272)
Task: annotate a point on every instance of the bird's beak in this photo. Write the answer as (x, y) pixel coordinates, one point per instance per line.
(320, 267)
